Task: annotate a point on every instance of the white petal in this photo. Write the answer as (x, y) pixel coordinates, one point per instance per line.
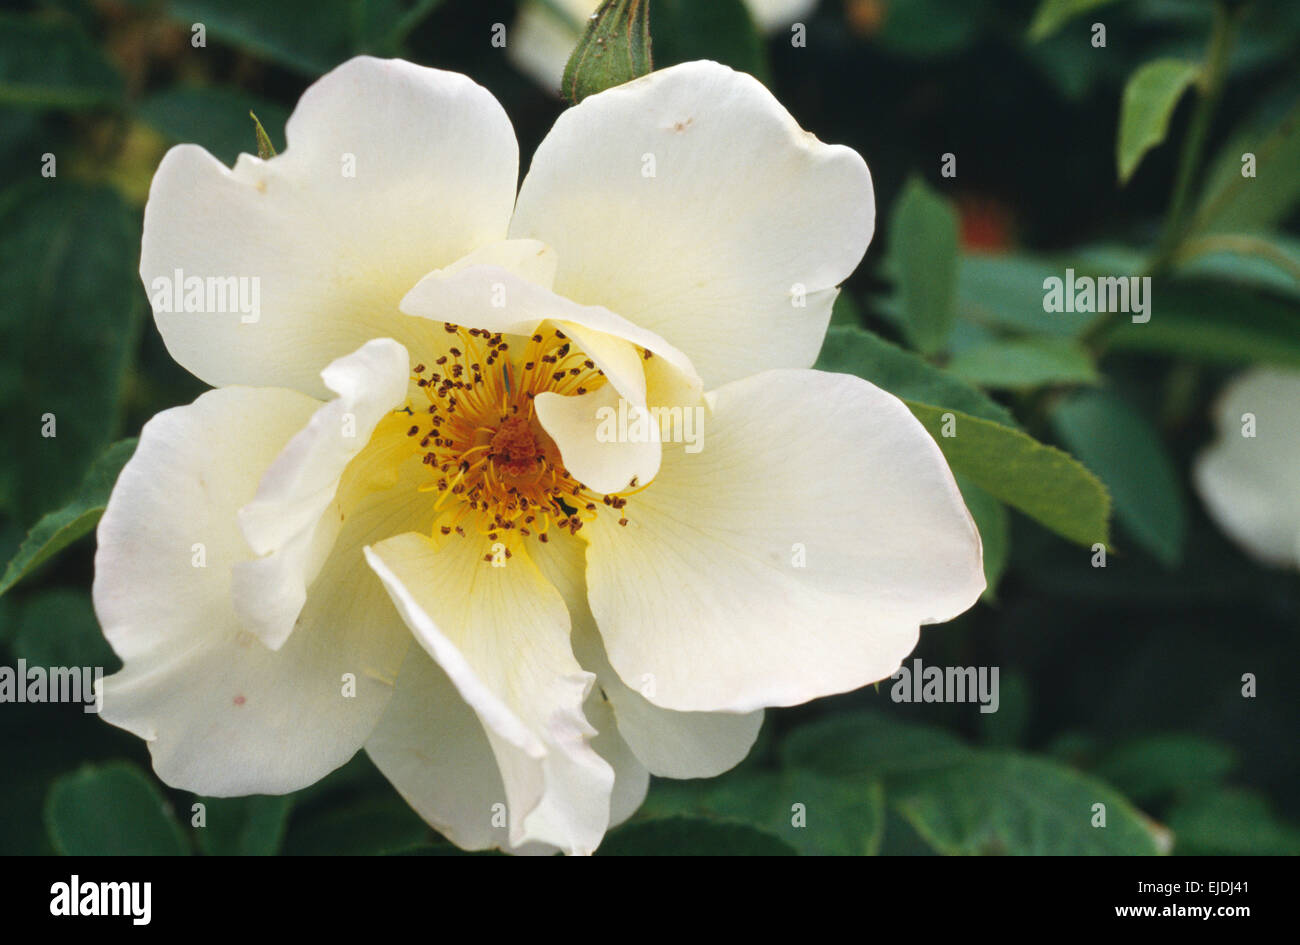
(744, 216)
(669, 744)
(433, 749)
(1250, 484)
(794, 556)
(286, 523)
(391, 170)
(605, 464)
(430, 745)
(501, 634)
(223, 714)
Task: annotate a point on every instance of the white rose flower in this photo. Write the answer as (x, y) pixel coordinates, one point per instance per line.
(545, 33)
(1249, 478)
(396, 524)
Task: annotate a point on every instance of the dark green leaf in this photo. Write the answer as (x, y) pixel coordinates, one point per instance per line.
(904, 374)
(58, 529)
(68, 259)
(1025, 363)
(111, 810)
(816, 814)
(1040, 481)
(995, 532)
(216, 118)
(1004, 803)
(243, 826)
(58, 628)
(1053, 14)
(52, 64)
(1153, 768)
(685, 836)
(1119, 445)
(1233, 822)
(721, 30)
(923, 259)
(1214, 322)
(1150, 97)
(868, 746)
(1236, 203)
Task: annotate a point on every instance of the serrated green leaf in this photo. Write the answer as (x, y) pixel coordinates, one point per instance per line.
(1025, 363)
(60, 528)
(52, 64)
(1039, 480)
(1053, 14)
(686, 836)
(818, 815)
(1150, 96)
(1005, 803)
(923, 260)
(1120, 446)
(904, 374)
(111, 810)
(994, 524)
(615, 48)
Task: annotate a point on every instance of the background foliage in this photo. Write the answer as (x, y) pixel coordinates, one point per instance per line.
(1119, 685)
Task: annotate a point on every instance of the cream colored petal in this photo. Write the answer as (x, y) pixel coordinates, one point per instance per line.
(391, 170)
(795, 556)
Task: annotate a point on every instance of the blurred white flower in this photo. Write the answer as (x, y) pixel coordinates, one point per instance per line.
(1249, 478)
(394, 524)
(545, 33)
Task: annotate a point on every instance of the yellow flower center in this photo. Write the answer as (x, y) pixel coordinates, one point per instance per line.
(481, 438)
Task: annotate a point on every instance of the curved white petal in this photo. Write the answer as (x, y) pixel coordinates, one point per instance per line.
(595, 450)
(430, 745)
(286, 524)
(432, 748)
(1248, 478)
(796, 555)
(667, 743)
(700, 211)
(391, 170)
(501, 634)
(223, 714)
